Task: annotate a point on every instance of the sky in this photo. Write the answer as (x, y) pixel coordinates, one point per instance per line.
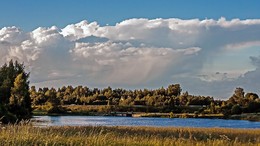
(209, 47)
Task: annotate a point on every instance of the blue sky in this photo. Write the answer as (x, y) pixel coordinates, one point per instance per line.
(209, 47)
(30, 14)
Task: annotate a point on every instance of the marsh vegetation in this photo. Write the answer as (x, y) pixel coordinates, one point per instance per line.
(24, 134)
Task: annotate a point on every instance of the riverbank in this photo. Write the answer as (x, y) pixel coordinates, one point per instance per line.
(80, 110)
(179, 115)
(248, 116)
(131, 114)
(88, 135)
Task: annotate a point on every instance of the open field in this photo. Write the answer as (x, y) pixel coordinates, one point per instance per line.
(29, 135)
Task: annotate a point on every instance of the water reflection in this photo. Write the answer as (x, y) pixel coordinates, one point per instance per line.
(129, 121)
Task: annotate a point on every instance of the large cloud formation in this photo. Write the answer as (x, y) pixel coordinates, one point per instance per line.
(136, 53)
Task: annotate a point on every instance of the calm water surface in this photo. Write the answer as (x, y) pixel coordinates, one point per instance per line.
(129, 121)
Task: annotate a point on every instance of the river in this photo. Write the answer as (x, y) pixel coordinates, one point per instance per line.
(141, 121)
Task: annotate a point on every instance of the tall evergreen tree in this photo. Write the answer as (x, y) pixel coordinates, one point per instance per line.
(15, 99)
(20, 102)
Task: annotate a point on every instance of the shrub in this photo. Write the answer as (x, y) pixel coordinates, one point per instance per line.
(236, 109)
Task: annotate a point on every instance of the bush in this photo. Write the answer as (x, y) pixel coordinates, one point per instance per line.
(171, 115)
(51, 109)
(6, 116)
(253, 106)
(236, 109)
(196, 114)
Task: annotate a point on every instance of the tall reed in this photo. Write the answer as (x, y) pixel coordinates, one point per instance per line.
(26, 134)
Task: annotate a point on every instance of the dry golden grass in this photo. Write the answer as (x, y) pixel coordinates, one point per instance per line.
(24, 134)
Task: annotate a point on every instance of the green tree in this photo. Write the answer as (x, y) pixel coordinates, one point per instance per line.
(53, 103)
(239, 92)
(253, 106)
(236, 109)
(212, 107)
(20, 101)
(174, 90)
(15, 99)
(251, 96)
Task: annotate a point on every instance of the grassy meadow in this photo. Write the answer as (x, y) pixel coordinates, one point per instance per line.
(24, 134)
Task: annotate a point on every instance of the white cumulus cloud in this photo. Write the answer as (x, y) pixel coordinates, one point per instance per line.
(136, 53)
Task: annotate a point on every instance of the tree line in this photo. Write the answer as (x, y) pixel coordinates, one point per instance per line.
(170, 99)
(17, 99)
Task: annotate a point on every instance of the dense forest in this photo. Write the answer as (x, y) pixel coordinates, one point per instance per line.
(169, 99)
(17, 100)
